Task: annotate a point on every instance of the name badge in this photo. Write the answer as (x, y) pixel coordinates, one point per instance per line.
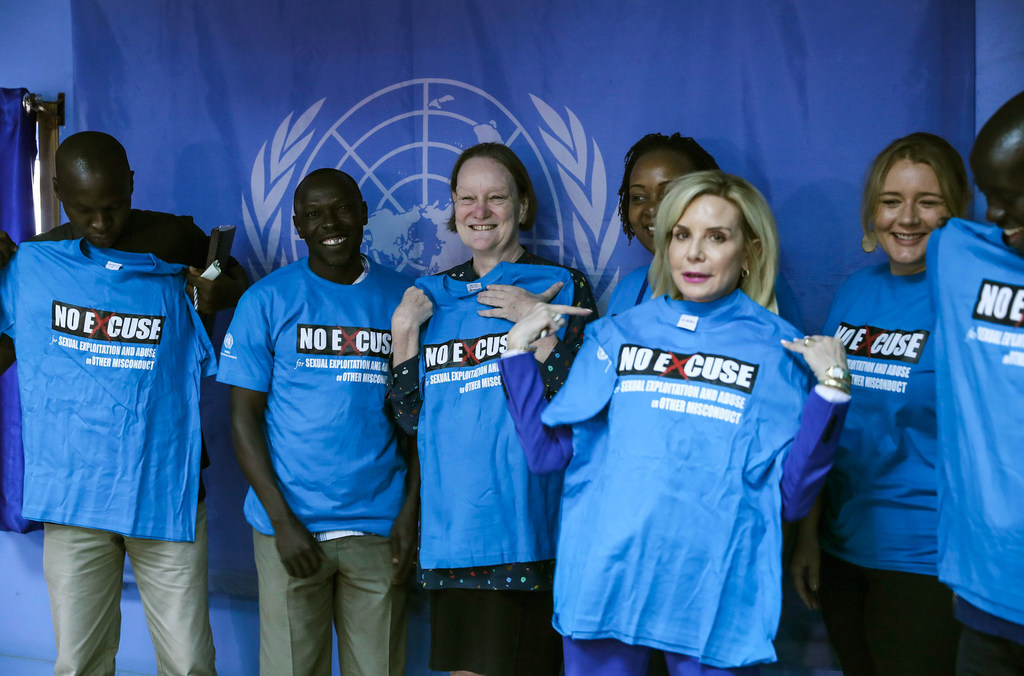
(688, 322)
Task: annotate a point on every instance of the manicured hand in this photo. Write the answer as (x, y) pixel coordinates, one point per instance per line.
(541, 319)
(820, 352)
(512, 302)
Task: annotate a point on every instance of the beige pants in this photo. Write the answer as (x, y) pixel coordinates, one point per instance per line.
(84, 569)
(353, 589)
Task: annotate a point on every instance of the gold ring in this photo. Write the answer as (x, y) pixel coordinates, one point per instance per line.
(807, 341)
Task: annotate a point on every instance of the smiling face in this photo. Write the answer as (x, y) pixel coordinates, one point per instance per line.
(999, 174)
(909, 207)
(488, 209)
(98, 204)
(650, 176)
(706, 251)
(329, 217)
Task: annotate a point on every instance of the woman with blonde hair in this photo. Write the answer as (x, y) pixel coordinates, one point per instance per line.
(687, 434)
(876, 544)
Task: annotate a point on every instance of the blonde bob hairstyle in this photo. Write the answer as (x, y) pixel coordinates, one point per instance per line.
(920, 148)
(760, 236)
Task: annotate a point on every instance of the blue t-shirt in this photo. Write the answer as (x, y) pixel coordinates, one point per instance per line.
(631, 291)
(670, 532)
(978, 286)
(321, 352)
(480, 505)
(881, 497)
(110, 356)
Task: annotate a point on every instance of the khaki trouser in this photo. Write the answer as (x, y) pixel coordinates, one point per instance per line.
(84, 569)
(352, 589)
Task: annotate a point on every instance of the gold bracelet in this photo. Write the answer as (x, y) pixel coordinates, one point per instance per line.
(839, 373)
(836, 384)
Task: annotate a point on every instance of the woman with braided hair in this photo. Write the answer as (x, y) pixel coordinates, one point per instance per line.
(651, 164)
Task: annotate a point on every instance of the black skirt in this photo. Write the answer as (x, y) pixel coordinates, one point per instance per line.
(492, 632)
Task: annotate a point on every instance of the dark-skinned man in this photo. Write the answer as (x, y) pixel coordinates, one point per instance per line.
(977, 277)
(94, 182)
(118, 380)
(333, 506)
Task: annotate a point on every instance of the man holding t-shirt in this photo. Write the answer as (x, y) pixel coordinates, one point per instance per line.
(977, 277)
(114, 352)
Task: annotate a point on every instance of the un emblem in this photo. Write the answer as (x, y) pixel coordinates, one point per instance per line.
(399, 144)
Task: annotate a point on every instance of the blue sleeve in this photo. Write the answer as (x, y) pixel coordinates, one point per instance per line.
(201, 342)
(810, 456)
(631, 290)
(622, 298)
(247, 356)
(589, 387)
(547, 449)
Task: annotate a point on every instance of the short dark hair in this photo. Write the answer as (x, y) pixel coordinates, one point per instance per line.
(684, 145)
(316, 174)
(504, 156)
(92, 152)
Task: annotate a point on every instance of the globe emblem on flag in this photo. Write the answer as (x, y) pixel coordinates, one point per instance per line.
(400, 144)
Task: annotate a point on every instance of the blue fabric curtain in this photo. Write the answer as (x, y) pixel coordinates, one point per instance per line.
(17, 155)
(224, 106)
(18, 150)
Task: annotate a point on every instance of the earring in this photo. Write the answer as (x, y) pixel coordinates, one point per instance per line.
(744, 273)
(869, 242)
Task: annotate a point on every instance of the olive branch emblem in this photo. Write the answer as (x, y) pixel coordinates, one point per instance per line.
(581, 168)
(268, 182)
